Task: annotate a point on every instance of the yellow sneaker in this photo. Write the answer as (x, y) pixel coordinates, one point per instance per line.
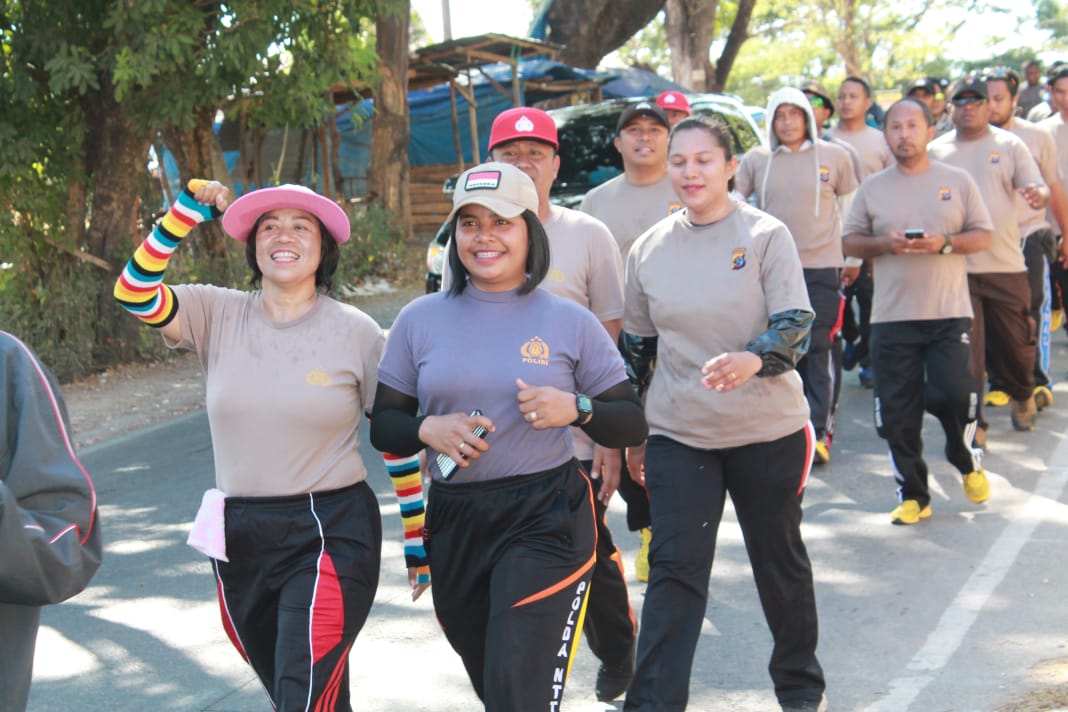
(641, 561)
(996, 399)
(976, 486)
(823, 453)
(1043, 397)
(1057, 320)
(909, 512)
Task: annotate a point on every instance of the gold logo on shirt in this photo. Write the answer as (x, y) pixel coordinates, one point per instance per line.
(536, 352)
(945, 194)
(556, 275)
(318, 377)
(825, 174)
(674, 208)
(995, 157)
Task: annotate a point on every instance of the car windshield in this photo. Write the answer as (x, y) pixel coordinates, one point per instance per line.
(588, 156)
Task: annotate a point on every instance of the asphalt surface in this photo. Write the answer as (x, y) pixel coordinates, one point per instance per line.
(964, 611)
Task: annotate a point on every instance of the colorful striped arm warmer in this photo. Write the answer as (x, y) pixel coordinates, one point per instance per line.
(140, 289)
(408, 484)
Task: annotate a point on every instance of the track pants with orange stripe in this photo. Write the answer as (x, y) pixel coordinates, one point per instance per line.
(511, 561)
(300, 582)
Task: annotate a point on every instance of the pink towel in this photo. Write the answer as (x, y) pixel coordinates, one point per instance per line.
(208, 535)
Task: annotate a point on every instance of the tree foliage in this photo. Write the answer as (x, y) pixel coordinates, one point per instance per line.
(89, 84)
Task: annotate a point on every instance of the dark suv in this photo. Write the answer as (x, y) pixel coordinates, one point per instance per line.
(588, 156)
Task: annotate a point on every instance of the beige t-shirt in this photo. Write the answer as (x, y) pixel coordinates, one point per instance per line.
(1039, 141)
(284, 400)
(870, 144)
(586, 268)
(1055, 125)
(941, 200)
(705, 291)
(629, 210)
(785, 184)
(999, 162)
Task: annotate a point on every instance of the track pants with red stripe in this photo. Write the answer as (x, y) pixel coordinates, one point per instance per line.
(687, 492)
(300, 582)
(511, 561)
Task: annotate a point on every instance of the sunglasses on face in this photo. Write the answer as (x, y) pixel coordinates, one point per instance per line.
(816, 102)
(968, 99)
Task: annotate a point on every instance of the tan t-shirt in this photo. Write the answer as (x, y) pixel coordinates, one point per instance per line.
(941, 200)
(284, 400)
(999, 162)
(1040, 143)
(629, 210)
(870, 144)
(785, 184)
(586, 268)
(1055, 125)
(705, 291)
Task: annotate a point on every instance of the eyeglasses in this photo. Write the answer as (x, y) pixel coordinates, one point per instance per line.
(968, 99)
(816, 102)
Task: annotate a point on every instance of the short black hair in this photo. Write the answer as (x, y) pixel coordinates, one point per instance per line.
(537, 265)
(927, 115)
(710, 125)
(861, 81)
(1003, 74)
(1057, 70)
(328, 258)
(1031, 63)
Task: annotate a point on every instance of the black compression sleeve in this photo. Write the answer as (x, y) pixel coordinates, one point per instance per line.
(395, 422)
(618, 418)
(784, 343)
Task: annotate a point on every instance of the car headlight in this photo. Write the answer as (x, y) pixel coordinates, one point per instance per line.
(435, 258)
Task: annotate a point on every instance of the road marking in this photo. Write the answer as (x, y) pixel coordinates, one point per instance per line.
(944, 639)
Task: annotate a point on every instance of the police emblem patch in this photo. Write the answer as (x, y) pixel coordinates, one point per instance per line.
(738, 258)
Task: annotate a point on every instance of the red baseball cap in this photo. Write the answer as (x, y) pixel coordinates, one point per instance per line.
(523, 122)
(674, 100)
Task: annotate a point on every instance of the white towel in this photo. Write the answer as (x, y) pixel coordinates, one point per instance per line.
(208, 534)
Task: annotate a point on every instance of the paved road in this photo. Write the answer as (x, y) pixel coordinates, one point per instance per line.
(964, 611)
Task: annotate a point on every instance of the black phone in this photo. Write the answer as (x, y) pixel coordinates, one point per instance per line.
(446, 464)
(914, 234)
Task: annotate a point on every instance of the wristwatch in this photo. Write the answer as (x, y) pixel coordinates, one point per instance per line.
(585, 409)
(948, 247)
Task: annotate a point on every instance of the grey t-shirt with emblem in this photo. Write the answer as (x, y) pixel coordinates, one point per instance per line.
(628, 209)
(706, 290)
(456, 354)
(1000, 163)
(943, 200)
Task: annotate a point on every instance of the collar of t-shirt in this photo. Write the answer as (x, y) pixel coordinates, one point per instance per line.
(805, 145)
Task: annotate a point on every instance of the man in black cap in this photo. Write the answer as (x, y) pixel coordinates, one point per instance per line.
(927, 90)
(630, 204)
(1002, 166)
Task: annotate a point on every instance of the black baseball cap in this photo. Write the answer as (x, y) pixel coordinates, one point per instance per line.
(643, 108)
(924, 83)
(970, 84)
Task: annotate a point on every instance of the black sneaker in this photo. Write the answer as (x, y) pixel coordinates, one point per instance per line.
(613, 680)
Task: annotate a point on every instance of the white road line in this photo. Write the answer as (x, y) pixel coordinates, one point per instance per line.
(958, 618)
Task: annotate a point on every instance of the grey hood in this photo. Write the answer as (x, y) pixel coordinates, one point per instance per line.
(790, 95)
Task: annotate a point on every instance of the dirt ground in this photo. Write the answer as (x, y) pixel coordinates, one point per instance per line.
(135, 396)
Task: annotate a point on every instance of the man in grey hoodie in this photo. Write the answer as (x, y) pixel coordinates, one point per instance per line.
(801, 180)
(49, 539)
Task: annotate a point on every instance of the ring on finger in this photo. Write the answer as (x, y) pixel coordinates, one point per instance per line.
(733, 375)
(461, 446)
(533, 415)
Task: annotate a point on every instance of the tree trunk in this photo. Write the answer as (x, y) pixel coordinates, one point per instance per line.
(590, 29)
(689, 26)
(388, 178)
(735, 39)
(116, 156)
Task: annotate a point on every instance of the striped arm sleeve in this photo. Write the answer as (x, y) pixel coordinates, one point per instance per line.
(140, 289)
(408, 484)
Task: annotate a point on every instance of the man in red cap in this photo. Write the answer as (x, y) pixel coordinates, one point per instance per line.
(675, 104)
(585, 266)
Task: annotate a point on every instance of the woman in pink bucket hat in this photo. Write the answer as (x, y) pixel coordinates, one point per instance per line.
(292, 528)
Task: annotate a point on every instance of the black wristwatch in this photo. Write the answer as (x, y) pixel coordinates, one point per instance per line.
(948, 247)
(585, 409)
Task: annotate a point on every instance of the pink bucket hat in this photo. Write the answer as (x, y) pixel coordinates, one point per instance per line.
(243, 213)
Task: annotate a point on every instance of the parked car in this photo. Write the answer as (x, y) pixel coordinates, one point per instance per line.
(588, 156)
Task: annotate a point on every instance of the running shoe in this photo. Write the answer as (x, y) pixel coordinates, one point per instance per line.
(976, 486)
(909, 512)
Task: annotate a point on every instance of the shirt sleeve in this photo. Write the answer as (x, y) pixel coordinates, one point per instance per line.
(1027, 172)
(847, 172)
(781, 273)
(397, 368)
(49, 537)
(373, 344)
(976, 216)
(636, 319)
(858, 221)
(743, 177)
(600, 364)
(606, 276)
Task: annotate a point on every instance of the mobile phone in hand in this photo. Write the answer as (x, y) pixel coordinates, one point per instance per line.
(445, 463)
(914, 234)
